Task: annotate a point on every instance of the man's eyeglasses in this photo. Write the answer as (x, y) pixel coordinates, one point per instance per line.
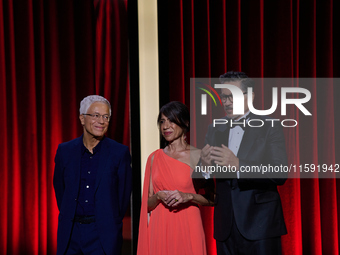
(96, 116)
(230, 97)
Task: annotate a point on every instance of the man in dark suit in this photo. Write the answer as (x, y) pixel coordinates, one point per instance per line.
(248, 217)
(92, 183)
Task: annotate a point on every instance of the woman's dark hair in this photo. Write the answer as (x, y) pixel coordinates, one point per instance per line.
(177, 113)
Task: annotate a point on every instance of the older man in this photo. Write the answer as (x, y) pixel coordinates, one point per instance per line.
(92, 183)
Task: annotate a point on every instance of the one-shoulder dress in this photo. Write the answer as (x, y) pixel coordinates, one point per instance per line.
(170, 230)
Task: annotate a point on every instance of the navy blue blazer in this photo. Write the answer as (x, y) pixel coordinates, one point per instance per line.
(253, 200)
(112, 195)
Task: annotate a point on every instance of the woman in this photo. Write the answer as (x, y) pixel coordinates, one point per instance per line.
(170, 221)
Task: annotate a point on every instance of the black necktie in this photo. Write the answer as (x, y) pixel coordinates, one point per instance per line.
(238, 123)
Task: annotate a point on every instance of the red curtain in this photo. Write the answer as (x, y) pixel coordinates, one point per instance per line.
(52, 54)
(268, 39)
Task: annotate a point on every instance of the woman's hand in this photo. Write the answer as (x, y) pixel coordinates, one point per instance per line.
(175, 197)
(162, 195)
(155, 199)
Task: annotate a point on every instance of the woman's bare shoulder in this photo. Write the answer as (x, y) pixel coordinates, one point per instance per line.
(194, 150)
(194, 155)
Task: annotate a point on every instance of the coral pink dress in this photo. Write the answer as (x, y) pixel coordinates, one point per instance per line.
(171, 230)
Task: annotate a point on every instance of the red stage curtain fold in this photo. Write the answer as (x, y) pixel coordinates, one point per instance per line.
(270, 39)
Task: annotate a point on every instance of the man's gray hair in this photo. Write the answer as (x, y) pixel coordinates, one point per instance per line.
(87, 101)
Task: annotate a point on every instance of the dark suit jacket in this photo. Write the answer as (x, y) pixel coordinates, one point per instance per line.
(112, 196)
(254, 202)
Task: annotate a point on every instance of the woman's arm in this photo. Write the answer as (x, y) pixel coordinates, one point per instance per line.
(174, 198)
(155, 199)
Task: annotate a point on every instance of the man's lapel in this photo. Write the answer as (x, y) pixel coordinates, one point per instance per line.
(75, 159)
(103, 160)
(222, 134)
(249, 137)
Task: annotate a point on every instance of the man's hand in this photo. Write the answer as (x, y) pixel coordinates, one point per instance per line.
(206, 155)
(224, 156)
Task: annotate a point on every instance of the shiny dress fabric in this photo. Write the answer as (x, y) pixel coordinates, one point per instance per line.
(170, 230)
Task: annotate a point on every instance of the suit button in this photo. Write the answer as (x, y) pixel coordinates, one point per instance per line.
(75, 199)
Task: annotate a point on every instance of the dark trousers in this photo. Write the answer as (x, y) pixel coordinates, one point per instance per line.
(236, 244)
(84, 240)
